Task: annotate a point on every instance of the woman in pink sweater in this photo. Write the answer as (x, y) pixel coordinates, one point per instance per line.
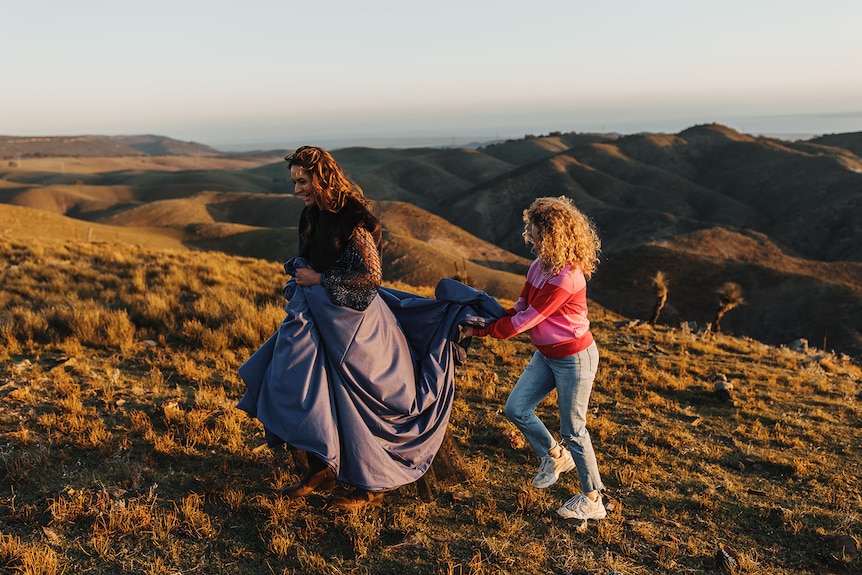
(553, 308)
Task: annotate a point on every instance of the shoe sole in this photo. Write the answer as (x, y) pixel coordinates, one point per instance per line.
(565, 469)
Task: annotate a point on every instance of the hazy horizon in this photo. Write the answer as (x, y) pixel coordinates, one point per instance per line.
(784, 127)
(788, 127)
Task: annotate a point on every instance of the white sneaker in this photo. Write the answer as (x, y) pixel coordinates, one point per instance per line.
(551, 468)
(580, 507)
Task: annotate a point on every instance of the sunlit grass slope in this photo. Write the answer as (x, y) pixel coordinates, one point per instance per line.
(122, 451)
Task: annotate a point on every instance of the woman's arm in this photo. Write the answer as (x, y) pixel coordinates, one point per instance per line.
(353, 280)
(546, 301)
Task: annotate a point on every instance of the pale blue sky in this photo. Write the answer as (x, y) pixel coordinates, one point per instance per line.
(287, 72)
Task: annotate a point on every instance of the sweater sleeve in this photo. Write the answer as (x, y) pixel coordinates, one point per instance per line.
(547, 300)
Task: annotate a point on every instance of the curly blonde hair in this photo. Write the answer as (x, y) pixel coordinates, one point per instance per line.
(331, 186)
(566, 235)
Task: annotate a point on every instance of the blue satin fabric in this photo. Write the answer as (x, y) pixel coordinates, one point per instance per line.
(369, 392)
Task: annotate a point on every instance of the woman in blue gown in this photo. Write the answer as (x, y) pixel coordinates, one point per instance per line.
(358, 376)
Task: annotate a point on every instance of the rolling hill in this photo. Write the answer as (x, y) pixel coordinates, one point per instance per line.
(99, 146)
(705, 206)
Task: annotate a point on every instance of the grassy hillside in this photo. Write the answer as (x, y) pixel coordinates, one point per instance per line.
(851, 142)
(122, 451)
(785, 215)
(32, 226)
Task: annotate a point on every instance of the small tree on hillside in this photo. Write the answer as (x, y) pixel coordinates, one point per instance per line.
(729, 297)
(659, 288)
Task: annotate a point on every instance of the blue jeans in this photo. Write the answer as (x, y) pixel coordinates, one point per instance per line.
(572, 377)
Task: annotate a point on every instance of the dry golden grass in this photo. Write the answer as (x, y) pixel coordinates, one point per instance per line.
(35, 226)
(121, 450)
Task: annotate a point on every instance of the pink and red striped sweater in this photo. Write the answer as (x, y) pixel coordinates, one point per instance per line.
(553, 308)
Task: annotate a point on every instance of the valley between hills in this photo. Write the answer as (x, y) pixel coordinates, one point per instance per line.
(706, 206)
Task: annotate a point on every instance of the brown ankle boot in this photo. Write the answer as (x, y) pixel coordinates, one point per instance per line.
(357, 499)
(319, 477)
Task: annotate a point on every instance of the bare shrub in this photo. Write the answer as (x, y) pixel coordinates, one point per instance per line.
(730, 295)
(659, 287)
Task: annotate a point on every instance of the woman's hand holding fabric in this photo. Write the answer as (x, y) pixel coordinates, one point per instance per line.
(466, 332)
(307, 277)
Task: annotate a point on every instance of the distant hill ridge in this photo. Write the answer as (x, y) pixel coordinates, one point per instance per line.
(704, 206)
(12, 147)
